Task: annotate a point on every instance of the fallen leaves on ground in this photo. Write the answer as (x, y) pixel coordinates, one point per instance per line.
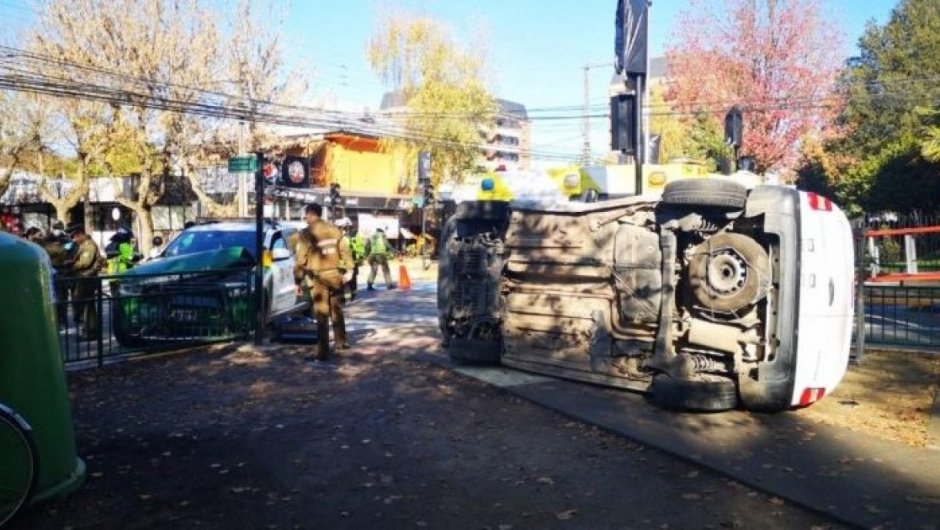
(889, 395)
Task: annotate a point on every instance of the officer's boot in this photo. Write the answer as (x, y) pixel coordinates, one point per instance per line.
(323, 339)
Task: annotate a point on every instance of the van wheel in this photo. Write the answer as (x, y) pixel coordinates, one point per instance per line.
(729, 271)
(483, 211)
(705, 192)
(697, 396)
(473, 356)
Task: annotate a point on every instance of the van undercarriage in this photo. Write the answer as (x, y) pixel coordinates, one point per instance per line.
(691, 297)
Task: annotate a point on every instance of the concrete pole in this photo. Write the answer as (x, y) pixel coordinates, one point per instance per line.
(586, 120)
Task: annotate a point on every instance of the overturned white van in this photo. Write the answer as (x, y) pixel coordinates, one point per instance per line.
(710, 297)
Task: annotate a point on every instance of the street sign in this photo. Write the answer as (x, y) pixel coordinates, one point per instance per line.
(242, 164)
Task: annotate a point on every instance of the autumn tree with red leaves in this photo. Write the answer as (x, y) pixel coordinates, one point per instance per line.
(777, 59)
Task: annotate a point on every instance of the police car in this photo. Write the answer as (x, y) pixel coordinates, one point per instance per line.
(200, 285)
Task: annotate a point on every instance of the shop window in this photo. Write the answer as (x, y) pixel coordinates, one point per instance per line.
(172, 218)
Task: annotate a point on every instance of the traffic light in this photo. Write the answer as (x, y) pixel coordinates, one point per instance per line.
(734, 127)
(623, 123)
(428, 195)
(335, 198)
(424, 168)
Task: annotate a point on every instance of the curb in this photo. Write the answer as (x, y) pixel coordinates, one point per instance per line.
(933, 424)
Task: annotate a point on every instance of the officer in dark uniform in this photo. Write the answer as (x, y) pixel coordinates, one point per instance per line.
(321, 264)
(57, 246)
(88, 261)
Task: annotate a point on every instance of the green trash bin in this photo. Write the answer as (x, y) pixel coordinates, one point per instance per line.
(32, 377)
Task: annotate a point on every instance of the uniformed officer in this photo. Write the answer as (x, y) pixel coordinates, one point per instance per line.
(34, 235)
(321, 265)
(345, 225)
(377, 250)
(120, 252)
(88, 261)
(57, 246)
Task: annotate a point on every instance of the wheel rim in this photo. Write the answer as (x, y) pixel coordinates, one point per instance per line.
(17, 466)
(727, 273)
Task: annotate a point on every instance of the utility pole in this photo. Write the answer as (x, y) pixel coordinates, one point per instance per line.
(259, 249)
(241, 178)
(586, 114)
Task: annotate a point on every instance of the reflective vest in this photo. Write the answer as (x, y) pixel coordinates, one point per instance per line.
(378, 244)
(123, 261)
(358, 246)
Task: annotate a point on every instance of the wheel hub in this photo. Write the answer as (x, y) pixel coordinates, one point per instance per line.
(727, 272)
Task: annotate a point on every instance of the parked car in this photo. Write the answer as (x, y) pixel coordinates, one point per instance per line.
(201, 284)
(709, 297)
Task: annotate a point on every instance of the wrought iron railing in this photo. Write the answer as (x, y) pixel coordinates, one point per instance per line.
(105, 317)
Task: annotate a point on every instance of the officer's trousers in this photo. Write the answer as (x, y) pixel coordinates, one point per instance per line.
(327, 294)
(376, 261)
(85, 297)
(353, 285)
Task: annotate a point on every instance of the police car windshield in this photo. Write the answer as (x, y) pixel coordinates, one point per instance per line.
(191, 242)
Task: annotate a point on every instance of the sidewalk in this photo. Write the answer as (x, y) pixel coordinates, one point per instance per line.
(855, 478)
(858, 479)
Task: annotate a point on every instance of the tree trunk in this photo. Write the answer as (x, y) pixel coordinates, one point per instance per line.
(63, 213)
(145, 237)
(63, 205)
(212, 207)
(5, 176)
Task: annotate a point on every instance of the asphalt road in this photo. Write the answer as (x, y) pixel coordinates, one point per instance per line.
(241, 437)
(898, 324)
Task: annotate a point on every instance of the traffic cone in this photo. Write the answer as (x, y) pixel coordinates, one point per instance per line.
(404, 282)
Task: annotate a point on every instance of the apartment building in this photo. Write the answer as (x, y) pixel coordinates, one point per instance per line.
(504, 144)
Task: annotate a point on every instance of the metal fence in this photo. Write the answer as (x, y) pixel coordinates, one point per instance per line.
(107, 317)
(113, 317)
(903, 315)
(898, 243)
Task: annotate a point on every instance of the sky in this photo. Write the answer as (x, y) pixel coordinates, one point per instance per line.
(537, 49)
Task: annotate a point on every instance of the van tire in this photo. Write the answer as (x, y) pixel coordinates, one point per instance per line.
(694, 396)
(705, 192)
(475, 352)
(483, 211)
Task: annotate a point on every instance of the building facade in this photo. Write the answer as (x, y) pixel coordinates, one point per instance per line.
(505, 144)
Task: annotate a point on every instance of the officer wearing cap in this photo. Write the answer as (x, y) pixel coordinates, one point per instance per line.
(352, 274)
(57, 245)
(34, 234)
(88, 261)
(120, 252)
(321, 262)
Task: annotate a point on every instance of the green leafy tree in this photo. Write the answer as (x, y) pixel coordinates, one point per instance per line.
(892, 139)
(673, 131)
(893, 77)
(442, 82)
